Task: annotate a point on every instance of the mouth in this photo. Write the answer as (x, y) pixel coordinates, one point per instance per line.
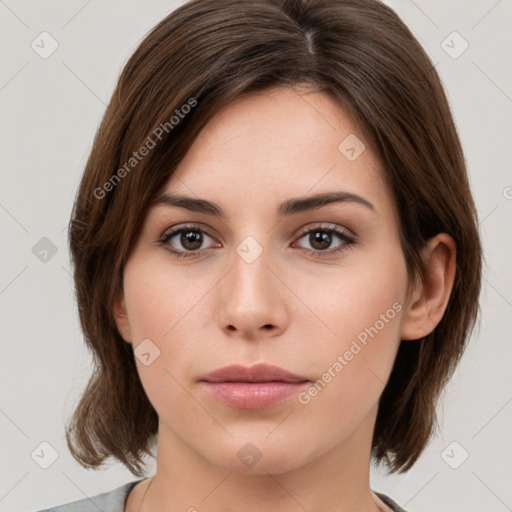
(257, 387)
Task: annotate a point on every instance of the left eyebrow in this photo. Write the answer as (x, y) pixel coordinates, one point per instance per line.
(306, 204)
(286, 208)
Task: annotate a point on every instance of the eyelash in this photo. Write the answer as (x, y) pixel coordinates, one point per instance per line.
(347, 240)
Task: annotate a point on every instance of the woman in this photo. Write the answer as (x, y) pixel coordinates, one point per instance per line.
(276, 259)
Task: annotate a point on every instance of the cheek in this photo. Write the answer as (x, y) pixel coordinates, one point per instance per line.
(363, 310)
(368, 291)
(160, 306)
(159, 301)
(352, 369)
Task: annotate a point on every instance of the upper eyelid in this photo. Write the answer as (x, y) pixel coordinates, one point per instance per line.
(327, 226)
(190, 226)
(308, 227)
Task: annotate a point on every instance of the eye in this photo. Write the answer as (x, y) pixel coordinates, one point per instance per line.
(191, 238)
(320, 239)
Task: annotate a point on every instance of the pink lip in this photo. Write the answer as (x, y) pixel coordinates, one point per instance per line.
(258, 373)
(257, 387)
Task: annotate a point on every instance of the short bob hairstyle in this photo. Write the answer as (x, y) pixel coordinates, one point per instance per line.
(194, 62)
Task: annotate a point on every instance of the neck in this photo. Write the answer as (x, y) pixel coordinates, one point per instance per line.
(336, 480)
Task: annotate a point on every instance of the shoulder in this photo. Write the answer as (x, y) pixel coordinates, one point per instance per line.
(390, 503)
(111, 501)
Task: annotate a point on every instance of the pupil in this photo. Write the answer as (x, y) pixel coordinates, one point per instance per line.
(322, 238)
(191, 240)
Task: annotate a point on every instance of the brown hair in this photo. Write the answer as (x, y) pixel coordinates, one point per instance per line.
(205, 54)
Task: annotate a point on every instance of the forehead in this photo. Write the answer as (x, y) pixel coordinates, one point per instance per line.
(276, 144)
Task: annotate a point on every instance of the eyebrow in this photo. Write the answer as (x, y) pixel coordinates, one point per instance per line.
(286, 208)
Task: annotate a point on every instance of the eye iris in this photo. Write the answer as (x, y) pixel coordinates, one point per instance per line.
(191, 240)
(323, 238)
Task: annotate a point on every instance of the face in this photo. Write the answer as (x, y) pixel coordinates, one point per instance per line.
(317, 291)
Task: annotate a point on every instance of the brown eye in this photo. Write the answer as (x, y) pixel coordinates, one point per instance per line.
(191, 239)
(185, 241)
(321, 239)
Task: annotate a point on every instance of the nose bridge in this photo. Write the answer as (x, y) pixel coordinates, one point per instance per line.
(250, 275)
(250, 298)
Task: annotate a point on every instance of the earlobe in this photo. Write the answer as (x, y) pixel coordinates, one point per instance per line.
(430, 298)
(121, 318)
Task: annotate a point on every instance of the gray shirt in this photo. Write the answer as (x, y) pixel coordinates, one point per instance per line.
(115, 500)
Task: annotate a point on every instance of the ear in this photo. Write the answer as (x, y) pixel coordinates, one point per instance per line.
(429, 300)
(121, 318)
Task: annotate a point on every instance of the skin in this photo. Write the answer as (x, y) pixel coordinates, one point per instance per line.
(254, 154)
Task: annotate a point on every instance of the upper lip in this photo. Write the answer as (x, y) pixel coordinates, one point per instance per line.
(258, 373)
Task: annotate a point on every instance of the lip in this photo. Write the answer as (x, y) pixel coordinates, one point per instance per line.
(256, 387)
(258, 373)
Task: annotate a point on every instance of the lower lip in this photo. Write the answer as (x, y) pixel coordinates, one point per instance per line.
(252, 395)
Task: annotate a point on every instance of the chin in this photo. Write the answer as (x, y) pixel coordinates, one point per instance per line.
(250, 456)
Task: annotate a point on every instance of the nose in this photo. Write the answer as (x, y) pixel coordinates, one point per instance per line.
(252, 299)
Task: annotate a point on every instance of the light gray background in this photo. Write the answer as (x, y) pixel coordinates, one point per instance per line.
(50, 110)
